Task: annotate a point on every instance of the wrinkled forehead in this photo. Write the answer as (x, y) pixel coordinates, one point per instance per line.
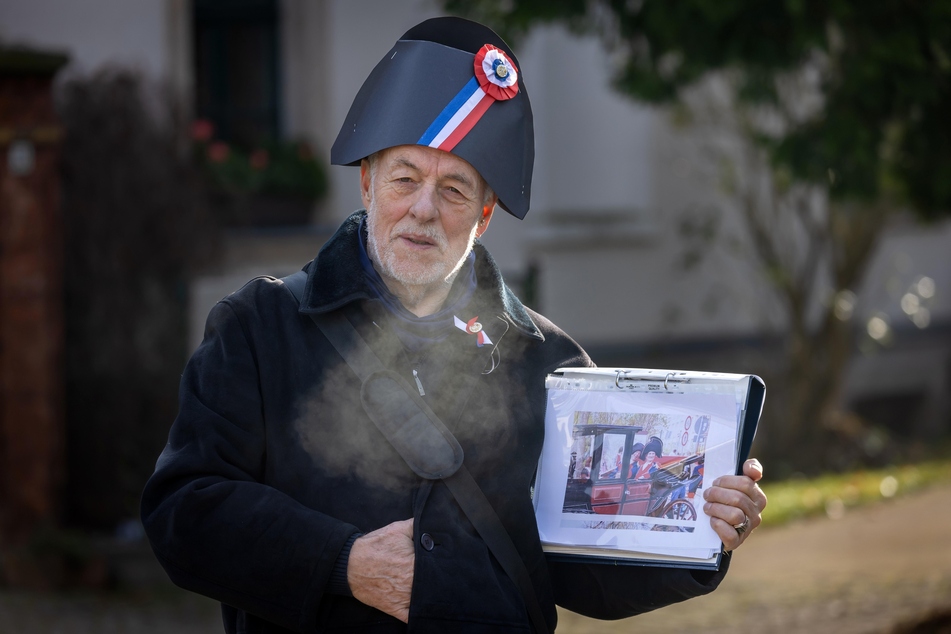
(427, 161)
(430, 163)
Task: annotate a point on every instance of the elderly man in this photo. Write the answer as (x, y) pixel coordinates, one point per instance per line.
(309, 493)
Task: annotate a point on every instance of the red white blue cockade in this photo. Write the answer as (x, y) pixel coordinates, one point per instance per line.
(473, 327)
(495, 79)
(496, 73)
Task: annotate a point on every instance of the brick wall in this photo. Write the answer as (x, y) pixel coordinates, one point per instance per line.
(31, 318)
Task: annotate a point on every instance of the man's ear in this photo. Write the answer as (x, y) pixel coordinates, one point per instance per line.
(487, 212)
(365, 182)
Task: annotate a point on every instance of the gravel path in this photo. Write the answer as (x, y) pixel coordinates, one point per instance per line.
(868, 572)
(873, 569)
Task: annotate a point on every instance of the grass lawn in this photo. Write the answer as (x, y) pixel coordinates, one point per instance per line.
(833, 494)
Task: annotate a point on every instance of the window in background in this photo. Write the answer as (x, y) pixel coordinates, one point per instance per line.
(236, 69)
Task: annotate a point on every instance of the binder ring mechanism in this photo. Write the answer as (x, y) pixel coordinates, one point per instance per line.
(629, 375)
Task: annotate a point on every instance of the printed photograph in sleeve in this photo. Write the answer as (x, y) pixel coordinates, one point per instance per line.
(640, 464)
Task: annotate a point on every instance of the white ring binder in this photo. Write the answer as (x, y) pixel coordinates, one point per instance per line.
(668, 378)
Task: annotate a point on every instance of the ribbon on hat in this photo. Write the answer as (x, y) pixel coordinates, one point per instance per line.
(473, 327)
(495, 79)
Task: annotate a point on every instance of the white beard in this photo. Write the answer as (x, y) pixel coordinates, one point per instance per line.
(407, 269)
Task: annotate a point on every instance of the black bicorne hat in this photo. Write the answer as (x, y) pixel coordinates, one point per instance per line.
(654, 444)
(453, 84)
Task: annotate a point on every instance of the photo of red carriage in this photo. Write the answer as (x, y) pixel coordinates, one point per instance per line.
(623, 471)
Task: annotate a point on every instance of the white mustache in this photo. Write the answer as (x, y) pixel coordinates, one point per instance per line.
(425, 231)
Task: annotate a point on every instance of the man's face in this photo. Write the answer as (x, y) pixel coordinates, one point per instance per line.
(424, 208)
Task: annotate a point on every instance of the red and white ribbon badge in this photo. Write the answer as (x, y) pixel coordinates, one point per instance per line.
(495, 79)
(473, 327)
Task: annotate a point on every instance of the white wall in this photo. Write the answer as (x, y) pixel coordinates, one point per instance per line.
(909, 252)
(592, 147)
(305, 51)
(93, 32)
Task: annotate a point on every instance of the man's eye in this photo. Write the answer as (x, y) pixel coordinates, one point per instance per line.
(456, 192)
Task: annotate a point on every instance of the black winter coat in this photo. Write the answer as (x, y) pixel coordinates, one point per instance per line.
(272, 465)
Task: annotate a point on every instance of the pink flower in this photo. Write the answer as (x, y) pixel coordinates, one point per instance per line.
(218, 152)
(202, 129)
(259, 159)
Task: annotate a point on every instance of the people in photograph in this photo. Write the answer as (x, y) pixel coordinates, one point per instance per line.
(652, 452)
(636, 450)
(612, 470)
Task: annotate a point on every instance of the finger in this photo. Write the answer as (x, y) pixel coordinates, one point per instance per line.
(759, 498)
(733, 507)
(724, 521)
(753, 469)
(731, 515)
(750, 505)
(727, 533)
(741, 484)
(730, 488)
(746, 485)
(404, 527)
(402, 614)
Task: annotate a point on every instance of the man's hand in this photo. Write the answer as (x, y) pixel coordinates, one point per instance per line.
(380, 568)
(731, 500)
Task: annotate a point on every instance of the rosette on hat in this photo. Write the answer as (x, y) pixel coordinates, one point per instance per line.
(496, 73)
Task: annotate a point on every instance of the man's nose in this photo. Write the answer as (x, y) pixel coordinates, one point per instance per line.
(426, 205)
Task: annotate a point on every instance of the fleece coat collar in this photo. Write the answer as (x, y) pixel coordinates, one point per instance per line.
(334, 280)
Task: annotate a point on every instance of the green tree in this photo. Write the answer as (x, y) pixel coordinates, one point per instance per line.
(839, 111)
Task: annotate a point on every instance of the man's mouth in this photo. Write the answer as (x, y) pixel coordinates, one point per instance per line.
(418, 240)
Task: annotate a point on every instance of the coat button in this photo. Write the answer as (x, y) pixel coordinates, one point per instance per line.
(426, 541)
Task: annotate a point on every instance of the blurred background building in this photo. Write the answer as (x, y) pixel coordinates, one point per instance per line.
(632, 245)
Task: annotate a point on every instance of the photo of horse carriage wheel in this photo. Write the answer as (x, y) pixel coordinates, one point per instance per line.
(624, 473)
